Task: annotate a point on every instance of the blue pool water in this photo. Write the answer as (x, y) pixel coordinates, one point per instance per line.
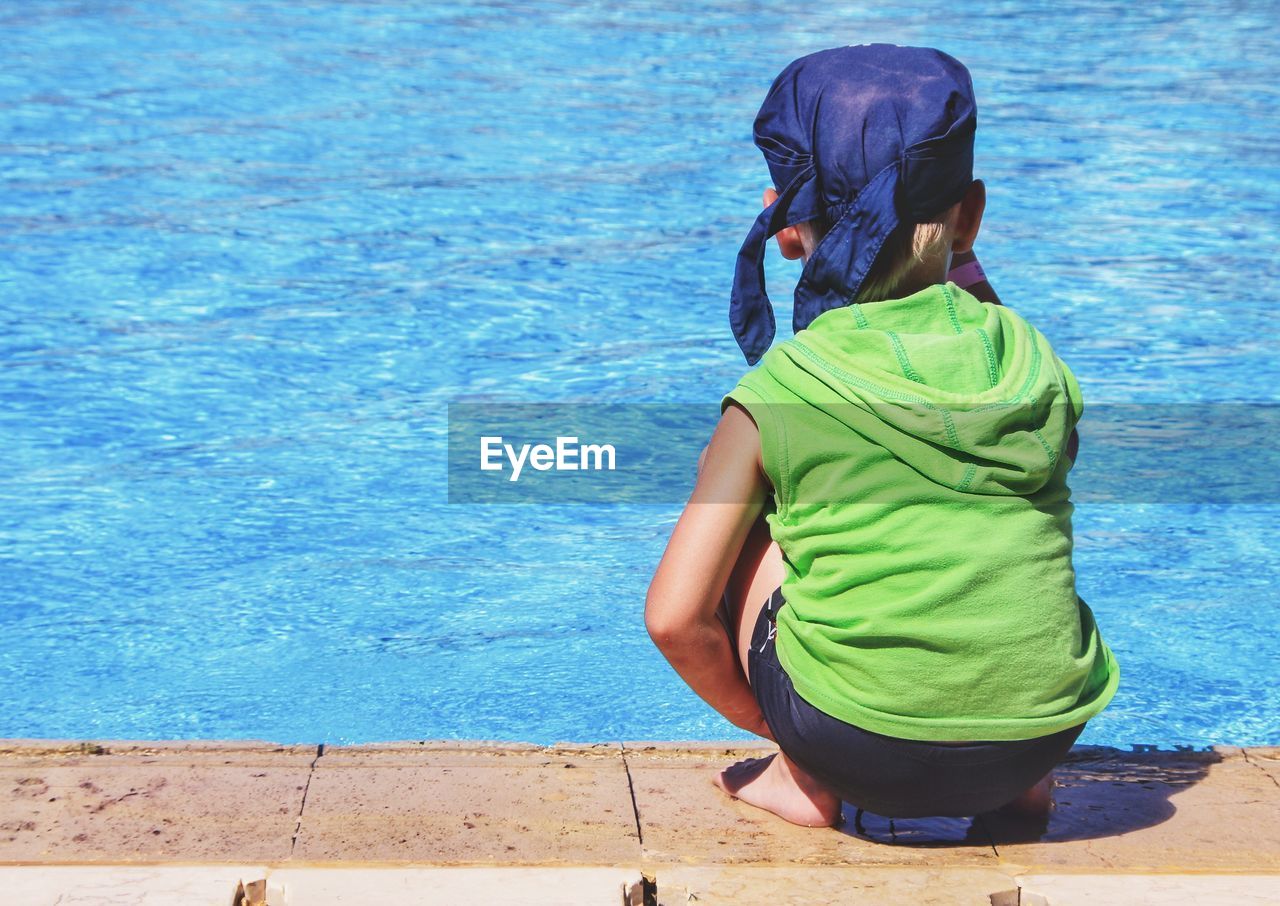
(251, 251)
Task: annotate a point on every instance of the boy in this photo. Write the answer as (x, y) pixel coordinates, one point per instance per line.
(883, 512)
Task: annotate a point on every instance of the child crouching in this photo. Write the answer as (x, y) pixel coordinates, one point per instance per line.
(883, 521)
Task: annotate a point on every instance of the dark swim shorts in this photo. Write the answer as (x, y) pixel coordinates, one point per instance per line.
(897, 778)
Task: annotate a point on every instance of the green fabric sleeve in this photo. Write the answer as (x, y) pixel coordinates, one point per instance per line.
(773, 441)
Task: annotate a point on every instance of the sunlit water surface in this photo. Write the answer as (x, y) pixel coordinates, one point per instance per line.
(250, 251)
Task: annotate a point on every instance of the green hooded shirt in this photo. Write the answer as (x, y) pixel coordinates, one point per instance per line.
(917, 451)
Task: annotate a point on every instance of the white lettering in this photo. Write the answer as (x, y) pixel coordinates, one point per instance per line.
(599, 451)
(543, 458)
(563, 462)
(489, 450)
(517, 463)
(567, 456)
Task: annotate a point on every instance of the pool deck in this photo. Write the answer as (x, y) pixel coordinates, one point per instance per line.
(621, 822)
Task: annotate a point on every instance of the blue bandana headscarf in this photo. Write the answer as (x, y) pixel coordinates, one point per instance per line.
(865, 138)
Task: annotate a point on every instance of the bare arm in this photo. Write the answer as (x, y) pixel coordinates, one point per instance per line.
(680, 611)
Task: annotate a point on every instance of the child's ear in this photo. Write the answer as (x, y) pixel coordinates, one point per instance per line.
(969, 218)
(789, 242)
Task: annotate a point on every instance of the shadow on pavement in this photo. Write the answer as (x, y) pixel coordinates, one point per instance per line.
(1099, 791)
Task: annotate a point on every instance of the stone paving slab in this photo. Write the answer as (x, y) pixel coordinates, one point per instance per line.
(1155, 811)
(470, 805)
(685, 819)
(216, 885)
(623, 805)
(558, 886)
(150, 802)
(1148, 890)
(678, 885)
(151, 885)
(739, 885)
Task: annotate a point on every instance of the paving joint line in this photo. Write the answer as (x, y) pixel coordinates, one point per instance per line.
(986, 832)
(1245, 751)
(631, 788)
(302, 806)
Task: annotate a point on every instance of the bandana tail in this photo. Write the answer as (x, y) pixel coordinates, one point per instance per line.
(750, 312)
(836, 270)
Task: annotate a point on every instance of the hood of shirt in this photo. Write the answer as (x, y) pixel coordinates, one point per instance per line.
(968, 394)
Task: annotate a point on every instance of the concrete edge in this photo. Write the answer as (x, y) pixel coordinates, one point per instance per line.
(22, 745)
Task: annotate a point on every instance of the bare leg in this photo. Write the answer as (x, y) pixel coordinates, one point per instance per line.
(775, 783)
(755, 576)
(1034, 802)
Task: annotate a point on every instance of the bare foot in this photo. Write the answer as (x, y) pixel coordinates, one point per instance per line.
(777, 784)
(1034, 802)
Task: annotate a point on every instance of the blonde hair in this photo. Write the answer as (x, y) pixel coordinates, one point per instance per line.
(904, 249)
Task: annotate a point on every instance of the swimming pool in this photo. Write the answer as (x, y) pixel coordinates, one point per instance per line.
(251, 252)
